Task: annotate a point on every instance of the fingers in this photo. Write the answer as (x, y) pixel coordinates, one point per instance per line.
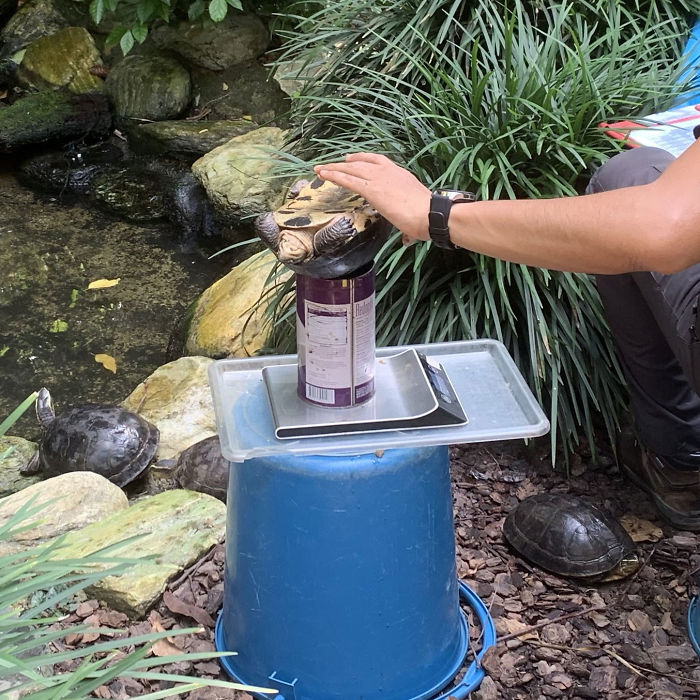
(368, 158)
(344, 179)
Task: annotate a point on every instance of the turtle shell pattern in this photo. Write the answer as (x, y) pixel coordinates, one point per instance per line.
(565, 535)
(107, 440)
(202, 467)
(318, 203)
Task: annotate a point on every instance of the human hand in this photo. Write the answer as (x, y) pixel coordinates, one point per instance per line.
(393, 191)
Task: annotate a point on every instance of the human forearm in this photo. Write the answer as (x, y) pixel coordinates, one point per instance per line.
(649, 227)
(606, 233)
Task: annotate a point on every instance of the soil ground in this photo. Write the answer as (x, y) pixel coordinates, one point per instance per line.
(558, 638)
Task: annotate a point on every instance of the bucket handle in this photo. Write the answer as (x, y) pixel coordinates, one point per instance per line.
(475, 673)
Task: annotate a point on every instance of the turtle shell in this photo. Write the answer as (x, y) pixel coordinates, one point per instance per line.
(318, 203)
(311, 210)
(565, 535)
(107, 440)
(202, 467)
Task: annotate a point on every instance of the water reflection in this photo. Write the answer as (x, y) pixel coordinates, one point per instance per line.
(52, 326)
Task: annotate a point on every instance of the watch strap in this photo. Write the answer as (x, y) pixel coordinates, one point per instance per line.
(441, 202)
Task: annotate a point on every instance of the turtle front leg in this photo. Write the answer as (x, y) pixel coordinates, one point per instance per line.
(266, 227)
(33, 466)
(332, 236)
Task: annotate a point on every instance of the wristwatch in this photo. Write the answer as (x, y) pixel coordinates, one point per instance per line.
(441, 202)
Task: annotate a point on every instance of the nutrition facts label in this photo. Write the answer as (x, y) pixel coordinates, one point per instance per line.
(339, 344)
(335, 339)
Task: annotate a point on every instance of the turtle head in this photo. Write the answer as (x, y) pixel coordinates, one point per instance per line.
(295, 246)
(44, 408)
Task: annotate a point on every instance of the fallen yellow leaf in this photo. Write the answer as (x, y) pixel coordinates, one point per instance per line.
(107, 361)
(102, 284)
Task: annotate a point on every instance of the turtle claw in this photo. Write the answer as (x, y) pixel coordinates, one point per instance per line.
(332, 237)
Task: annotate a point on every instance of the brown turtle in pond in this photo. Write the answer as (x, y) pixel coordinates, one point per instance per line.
(323, 230)
(107, 440)
(565, 535)
(202, 467)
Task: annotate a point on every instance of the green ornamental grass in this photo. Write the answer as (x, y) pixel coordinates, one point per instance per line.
(37, 586)
(503, 98)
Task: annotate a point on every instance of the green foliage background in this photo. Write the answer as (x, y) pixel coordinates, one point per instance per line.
(504, 98)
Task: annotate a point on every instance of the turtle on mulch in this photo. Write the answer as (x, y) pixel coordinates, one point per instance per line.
(108, 440)
(323, 230)
(569, 537)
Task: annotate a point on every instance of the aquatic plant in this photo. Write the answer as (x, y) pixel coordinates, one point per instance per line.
(502, 97)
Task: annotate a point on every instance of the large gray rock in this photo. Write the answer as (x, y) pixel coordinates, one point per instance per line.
(185, 140)
(241, 91)
(239, 176)
(11, 480)
(149, 87)
(225, 322)
(175, 528)
(63, 59)
(33, 20)
(176, 398)
(71, 501)
(237, 39)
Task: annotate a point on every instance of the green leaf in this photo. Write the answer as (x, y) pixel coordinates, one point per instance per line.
(126, 43)
(115, 36)
(217, 10)
(97, 10)
(196, 9)
(140, 32)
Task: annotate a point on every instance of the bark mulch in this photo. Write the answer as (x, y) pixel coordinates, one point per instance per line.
(558, 638)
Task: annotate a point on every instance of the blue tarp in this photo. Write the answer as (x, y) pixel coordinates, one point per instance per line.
(691, 61)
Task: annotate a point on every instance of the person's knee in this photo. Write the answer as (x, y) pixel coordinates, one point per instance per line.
(635, 166)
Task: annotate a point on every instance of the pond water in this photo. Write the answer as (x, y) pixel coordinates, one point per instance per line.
(52, 325)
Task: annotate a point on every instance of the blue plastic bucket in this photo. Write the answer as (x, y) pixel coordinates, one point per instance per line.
(694, 623)
(340, 577)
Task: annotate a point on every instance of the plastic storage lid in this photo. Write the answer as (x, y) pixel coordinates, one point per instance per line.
(492, 391)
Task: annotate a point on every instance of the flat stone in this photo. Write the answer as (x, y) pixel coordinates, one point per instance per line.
(71, 500)
(175, 528)
(176, 398)
(186, 140)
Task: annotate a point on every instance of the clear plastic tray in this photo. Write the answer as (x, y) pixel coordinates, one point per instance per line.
(490, 388)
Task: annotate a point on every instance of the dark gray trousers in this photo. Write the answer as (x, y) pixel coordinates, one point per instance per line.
(653, 318)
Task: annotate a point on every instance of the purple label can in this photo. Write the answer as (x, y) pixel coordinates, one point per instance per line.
(335, 339)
